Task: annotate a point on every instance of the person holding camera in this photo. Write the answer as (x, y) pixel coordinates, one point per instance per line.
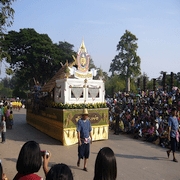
(30, 160)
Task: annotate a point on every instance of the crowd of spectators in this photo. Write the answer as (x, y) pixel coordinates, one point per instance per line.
(143, 115)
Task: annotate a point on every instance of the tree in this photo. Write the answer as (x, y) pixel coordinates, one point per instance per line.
(6, 20)
(65, 51)
(101, 74)
(6, 14)
(5, 88)
(113, 85)
(126, 63)
(34, 56)
(178, 77)
(91, 64)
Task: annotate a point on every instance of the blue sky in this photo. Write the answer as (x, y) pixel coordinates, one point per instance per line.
(101, 23)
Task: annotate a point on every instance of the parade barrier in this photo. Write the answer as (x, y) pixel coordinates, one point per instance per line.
(60, 124)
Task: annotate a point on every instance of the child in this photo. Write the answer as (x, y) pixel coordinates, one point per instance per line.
(3, 129)
(11, 119)
(7, 117)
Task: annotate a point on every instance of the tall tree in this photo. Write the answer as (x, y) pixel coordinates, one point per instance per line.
(34, 56)
(6, 20)
(66, 51)
(126, 63)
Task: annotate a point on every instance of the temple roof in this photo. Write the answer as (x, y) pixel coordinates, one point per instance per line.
(52, 82)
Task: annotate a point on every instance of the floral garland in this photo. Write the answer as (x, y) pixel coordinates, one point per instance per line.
(78, 106)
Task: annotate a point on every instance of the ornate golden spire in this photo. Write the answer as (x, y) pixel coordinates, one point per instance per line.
(82, 47)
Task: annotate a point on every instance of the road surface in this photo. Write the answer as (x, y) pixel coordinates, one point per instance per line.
(136, 159)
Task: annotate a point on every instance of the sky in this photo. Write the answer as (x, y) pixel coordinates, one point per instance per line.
(101, 23)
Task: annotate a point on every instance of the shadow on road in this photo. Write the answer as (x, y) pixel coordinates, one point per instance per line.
(139, 157)
(24, 132)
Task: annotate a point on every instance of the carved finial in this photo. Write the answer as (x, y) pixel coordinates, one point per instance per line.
(61, 64)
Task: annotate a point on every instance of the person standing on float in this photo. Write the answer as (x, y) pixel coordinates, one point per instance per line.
(84, 136)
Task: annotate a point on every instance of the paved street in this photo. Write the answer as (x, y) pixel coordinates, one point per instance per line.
(136, 160)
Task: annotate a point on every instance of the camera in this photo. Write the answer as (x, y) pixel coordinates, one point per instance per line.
(45, 152)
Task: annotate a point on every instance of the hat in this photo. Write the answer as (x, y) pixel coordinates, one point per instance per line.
(85, 112)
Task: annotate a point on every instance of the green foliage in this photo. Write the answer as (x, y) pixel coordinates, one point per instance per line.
(91, 64)
(6, 14)
(6, 88)
(117, 83)
(150, 85)
(6, 20)
(19, 93)
(114, 84)
(133, 86)
(34, 56)
(5, 92)
(126, 63)
(65, 51)
(101, 74)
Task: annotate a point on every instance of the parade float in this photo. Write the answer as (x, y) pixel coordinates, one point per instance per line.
(55, 108)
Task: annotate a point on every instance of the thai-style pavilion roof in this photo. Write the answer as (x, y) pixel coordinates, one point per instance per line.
(48, 87)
